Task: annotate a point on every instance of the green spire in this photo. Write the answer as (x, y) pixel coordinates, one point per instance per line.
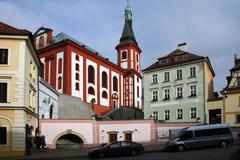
(128, 12)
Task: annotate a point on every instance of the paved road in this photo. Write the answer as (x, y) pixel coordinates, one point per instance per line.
(202, 154)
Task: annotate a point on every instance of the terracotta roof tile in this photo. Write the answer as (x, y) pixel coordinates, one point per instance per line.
(10, 30)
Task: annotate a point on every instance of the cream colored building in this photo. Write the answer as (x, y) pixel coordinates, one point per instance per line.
(227, 107)
(18, 89)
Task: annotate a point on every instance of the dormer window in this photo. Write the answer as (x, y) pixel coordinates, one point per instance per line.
(41, 42)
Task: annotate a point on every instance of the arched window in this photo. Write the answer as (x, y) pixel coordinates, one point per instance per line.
(91, 91)
(51, 112)
(77, 57)
(41, 42)
(43, 108)
(77, 76)
(104, 94)
(60, 65)
(77, 86)
(104, 80)
(59, 82)
(124, 55)
(77, 67)
(91, 74)
(115, 84)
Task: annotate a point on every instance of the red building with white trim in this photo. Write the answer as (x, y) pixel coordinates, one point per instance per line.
(73, 68)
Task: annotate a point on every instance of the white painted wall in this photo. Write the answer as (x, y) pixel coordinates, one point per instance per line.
(38, 38)
(138, 84)
(116, 75)
(50, 97)
(121, 90)
(76, 93)
(59, 55)
(140, 132)
(89, 96)
(52, 129)
(104, 101)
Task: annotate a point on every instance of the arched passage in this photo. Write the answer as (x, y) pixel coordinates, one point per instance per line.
(69, 140)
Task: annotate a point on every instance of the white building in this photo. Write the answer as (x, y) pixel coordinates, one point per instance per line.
(48, 101)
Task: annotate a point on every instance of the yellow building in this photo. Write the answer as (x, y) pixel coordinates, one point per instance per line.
(19, 67)
(226, 109)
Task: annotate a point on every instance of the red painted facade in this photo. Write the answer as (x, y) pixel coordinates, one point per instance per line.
(62, 76)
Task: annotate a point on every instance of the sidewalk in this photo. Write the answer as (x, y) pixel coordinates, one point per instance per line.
(50, 154)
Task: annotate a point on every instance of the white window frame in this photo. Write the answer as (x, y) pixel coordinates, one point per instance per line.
(179, 112)
(167, 113)
(154, 78)
(8, 63)
(155, 95)
(166, 76)
(191, 71)
(8, 89)
(192, 112)
(178, 91)
(179, 74)
(126, 55)
(190, 90)
(165, 93)
(155, 115)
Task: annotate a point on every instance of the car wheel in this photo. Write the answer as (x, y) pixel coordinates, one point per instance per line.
(223, 144)
(181, 148)
(133, 153)
(100, 155)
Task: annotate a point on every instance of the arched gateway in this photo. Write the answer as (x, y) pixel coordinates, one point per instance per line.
(69, 140)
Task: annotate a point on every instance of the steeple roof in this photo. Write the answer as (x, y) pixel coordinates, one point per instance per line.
(127, 34)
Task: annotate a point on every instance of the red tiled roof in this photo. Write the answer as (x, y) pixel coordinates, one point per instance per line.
(10, 30)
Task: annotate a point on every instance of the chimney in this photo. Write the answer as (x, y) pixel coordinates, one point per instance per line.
(182, 46)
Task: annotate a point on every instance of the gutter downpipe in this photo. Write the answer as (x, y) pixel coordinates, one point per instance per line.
(204, 90)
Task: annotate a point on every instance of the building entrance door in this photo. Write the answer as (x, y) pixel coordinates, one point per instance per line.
(112, 137)
(215, 116)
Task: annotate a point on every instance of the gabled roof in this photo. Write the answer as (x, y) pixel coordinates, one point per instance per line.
(10, 30)
(43, 29)
(62, 37)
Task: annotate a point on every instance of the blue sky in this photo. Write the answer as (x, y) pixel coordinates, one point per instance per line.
(210, 27)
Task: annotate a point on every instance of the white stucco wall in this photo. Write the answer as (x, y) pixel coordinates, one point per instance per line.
(59, 55)
(89, 96)
(50, 97)
(52, 129)
(75, 92)
(140, 132)
(104, 101)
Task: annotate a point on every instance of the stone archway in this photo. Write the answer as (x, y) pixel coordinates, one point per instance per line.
(69, 140)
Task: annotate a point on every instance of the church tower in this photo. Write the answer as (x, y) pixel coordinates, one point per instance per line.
(129, 59)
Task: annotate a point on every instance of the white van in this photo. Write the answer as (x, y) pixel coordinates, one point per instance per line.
(202, 136)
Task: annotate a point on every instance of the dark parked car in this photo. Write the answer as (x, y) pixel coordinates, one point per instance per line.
(118, 148)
